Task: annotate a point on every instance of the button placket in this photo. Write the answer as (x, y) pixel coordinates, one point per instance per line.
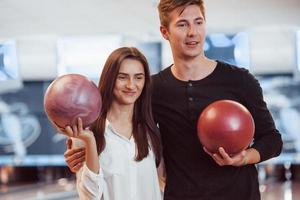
(191, 99)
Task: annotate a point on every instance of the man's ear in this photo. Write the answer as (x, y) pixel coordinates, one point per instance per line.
(164, 32)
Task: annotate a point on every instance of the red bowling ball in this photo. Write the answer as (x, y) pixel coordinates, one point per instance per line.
(71, 96)
(226, 124)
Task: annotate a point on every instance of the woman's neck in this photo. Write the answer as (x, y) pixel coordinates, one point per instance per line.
(121, 119)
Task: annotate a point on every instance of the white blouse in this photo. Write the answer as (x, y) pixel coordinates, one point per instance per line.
(120, 176)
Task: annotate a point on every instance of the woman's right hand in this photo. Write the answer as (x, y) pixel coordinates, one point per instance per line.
(74, 157)
(77, 131)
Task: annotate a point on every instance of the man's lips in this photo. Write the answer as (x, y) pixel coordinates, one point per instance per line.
(191, 43)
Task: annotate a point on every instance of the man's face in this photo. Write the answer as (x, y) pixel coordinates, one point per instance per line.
(186, 32)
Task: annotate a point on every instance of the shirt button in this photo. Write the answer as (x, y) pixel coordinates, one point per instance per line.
(191, 99)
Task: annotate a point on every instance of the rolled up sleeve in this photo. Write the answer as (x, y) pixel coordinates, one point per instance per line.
(89, 184)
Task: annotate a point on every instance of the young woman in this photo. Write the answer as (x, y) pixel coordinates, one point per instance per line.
(122, 148)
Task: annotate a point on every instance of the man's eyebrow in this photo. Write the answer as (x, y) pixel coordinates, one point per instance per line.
(181, 20)
(185, 20)
(200, 18)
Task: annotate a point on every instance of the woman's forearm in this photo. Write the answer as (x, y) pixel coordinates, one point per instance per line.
(91, 155)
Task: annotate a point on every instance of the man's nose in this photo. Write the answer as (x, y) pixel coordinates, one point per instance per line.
(192, 30)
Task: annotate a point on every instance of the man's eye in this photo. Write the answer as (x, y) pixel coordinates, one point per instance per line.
(182, 24)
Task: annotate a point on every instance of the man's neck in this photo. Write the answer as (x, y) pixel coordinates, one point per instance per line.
(193, 69)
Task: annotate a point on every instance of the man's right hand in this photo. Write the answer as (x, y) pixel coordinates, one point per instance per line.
(74, 157)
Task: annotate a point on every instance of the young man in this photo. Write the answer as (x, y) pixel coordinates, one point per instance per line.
(181, 92)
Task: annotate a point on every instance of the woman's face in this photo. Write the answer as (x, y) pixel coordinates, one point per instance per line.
(130, 82)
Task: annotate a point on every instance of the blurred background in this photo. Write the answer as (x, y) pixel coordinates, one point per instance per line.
(40, 40)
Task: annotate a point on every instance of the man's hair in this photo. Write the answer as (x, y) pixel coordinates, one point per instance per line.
(165, 7)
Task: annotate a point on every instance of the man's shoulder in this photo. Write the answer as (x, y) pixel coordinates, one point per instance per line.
(227, 67)
(160, 76)
(232, 71)
(236, 73)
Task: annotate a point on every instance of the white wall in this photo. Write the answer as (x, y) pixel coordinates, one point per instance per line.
(37, 57)
(36, 25)
(273, 49)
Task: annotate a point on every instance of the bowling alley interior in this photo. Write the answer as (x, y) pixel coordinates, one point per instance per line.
(43, 40)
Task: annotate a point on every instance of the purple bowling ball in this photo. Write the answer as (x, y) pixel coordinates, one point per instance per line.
(71, 96)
